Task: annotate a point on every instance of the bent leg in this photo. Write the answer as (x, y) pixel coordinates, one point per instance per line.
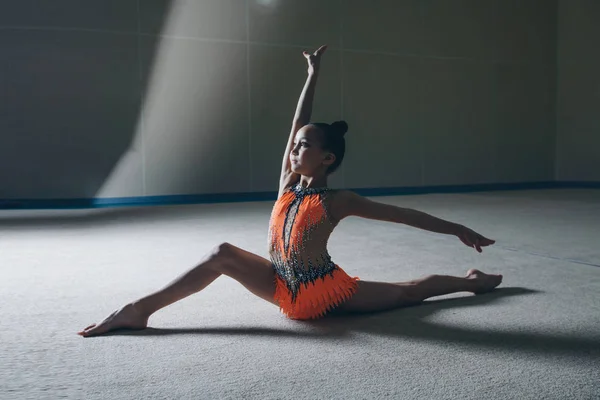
(255, 273)
(252, 271)
(383, 296)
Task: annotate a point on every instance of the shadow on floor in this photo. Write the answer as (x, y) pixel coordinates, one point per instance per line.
(411, 324)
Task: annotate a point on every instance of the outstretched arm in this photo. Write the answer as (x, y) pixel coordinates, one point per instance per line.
(347, 203)
(303, 109)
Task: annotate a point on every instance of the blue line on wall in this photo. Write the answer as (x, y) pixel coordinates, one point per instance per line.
(41, 204)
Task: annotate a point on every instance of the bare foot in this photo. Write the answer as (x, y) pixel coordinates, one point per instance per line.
(484, 282)
(125, 318)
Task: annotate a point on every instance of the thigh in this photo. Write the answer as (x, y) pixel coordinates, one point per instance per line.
(377, 296)
(254, 272)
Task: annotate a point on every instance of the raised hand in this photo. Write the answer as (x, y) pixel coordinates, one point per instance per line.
(472, 238)
(314, 59)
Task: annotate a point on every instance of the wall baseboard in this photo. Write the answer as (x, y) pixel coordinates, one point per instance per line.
(52, 204)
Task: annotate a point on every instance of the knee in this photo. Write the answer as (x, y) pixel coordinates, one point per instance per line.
(223, 251)
(411, 294)
(220, 257)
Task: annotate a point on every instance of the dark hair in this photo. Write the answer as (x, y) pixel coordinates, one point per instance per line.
(333, 141)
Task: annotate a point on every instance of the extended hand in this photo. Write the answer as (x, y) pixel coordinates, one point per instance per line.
(314, 59)
(472, 238)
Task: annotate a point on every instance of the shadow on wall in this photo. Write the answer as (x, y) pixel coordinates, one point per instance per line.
(70, 109)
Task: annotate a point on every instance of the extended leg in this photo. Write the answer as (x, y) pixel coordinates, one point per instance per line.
(381, 296)
(251, 270)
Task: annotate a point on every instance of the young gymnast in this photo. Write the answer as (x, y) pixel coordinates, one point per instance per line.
(300, 277)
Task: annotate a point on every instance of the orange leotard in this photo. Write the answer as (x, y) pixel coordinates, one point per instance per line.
(308, 283)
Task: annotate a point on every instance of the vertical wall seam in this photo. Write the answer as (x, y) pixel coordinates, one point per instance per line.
(249, 95)
(556, 90)
(142, 130)
(342, 111)
(420, 88)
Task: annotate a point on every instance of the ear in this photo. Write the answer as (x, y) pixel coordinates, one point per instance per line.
(329, 159)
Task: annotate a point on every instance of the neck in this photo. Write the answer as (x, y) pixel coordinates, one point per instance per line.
(313, 182)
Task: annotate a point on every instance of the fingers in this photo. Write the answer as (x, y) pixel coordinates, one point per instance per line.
(475, 240)
(479, 243)
(321, 50)
(467, 242)
(485, 241)
(473, 244)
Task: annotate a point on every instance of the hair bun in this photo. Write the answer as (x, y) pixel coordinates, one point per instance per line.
(340, 127)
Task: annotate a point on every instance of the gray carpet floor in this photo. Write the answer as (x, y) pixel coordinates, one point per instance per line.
(536, 337)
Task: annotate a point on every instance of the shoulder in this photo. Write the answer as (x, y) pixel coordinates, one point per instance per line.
(343, 203)
(287, 181)
(346, 203)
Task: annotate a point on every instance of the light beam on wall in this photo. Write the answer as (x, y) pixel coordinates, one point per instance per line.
(169, 126)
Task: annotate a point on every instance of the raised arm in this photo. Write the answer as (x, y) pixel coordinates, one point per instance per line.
(302, 115)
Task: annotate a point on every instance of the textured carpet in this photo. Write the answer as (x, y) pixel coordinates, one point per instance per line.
(537, 337)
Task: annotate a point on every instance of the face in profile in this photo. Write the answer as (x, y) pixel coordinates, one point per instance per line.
(307, 155)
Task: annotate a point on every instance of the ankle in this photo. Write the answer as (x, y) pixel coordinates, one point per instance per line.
(142, 308)
(472, 283)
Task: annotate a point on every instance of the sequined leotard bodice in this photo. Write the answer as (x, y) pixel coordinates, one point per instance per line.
(299, 229)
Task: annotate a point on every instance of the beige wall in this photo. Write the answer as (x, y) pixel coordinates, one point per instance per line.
(117, 98)
(578, 122)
